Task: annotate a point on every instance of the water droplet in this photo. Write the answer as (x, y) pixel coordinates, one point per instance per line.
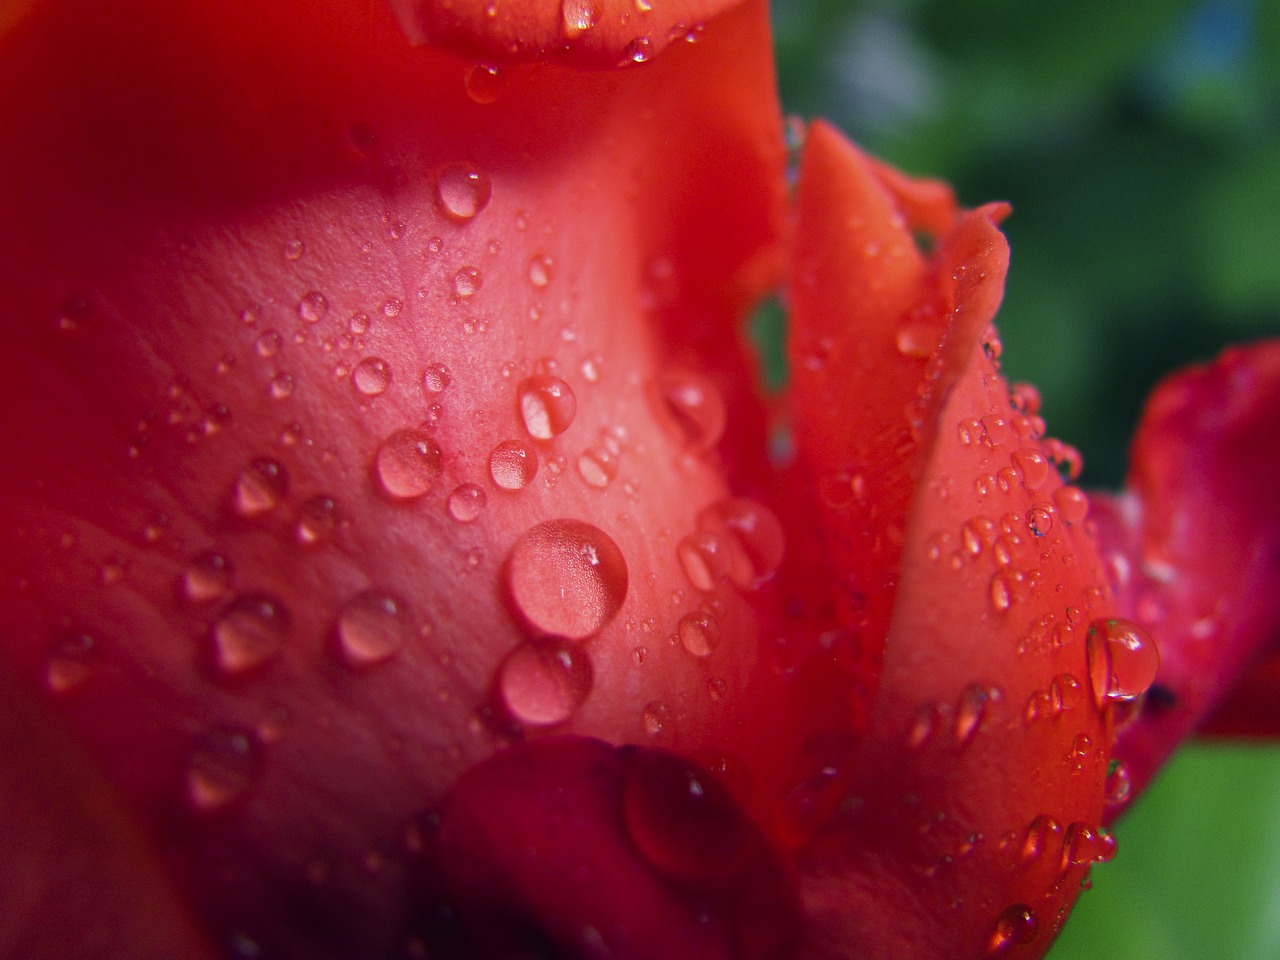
(294, 249)
(466, 503)
(655, 717)
(1040, 519)
(318, 521)
(1001, 593)
(1072, 504)
(513, 464)
(704, 557)
(578, 16)
(540, 268)
(754, 536)
(567, 578)
(267, 344)
(1080, 845)
(1017, 924)
(1119, 785)
(484, 84)
(699, 633)
(312, 307)
(917, 340)
(249, 633)
(597, 467)
(435, 378)
(639, 50)
(463, 190)
(206, 578)
(547, 405)
(259, 487)
(72, 660)
(373, 627)
(996, 429)
(1123, 659)
(223, 768)
(1033, 465)
(590, 368)
(972, 708)
(407, 464)
(689, 408)
(371, 376)
(281, 386)
(1040, 835)
(466, 282)
(544, 682)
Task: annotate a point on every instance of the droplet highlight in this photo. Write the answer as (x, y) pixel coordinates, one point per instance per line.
(1123, 660)
(567, 577)
(407, 465)
(462, 190)
(547, 405)
(248, 634)
(513, 464)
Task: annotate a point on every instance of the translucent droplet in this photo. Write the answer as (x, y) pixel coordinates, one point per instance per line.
(578, 16)
(259, 487)
(281, 386)
(466, 281)
(654, 718)
(224, 767)
(513, 464)
(318, 521)
(312, 307)
(462, 190)
(72, 660)
(466, 503)
(544, 682)
(268, 344)
(1072, 504)
(371, 376)
(1041, 833)
(540, 268)
(294, 249)
(1123, 659)
(996, 429)
(972, 708)
(373, 627)
(597, 467)
(250, 633)
(699, 632)
(407, 464)
(435, 378)
(1001, 593)
(1080, 845)
(917, 340)
(567, 578)
(1017, 924)
(1119, 785)
(689, 408)
(1033, 466)
(547, 405)
(754, 536)
(484, 84)
(1040, 520)
(639, 50)
(705, 559)
(207, 577)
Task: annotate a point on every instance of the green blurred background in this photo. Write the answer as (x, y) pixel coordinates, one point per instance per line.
(1140, 146)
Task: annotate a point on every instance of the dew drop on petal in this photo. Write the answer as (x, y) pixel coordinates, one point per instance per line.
(373, 627)
(540, 270)
(463, 190)
(1123, 659)
(1017, 924)
(207, 577)
(513, 464)
(754, 535)
(318, 521)
(436, 378)
(543, 682)
(248, 634)
(466, 503)
(484, 84)
(1040, 520)
(654, 718)
(1040, 835)
(1033, 465)
(407, 464)
(281, 386)
(578, 16)
(371, 376)
(996, 429)
(259, 487)
(567, 578)
(72, 660)
(689, 408)
(547, 405)
(466, 282)
(699, 633)
(597, 467)
(639, 50)
(972, 708)
(1072, 504)
(312, 307)
(1119, 785)
(268, 344)
(1080, 844)
(223, 768)
(705, 559)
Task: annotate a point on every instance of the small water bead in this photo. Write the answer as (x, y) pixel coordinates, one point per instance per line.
(639, 50)
(699, 633)
(1072, 504)
(224, 766)
(72, 660)
(484, 84)
(407, 464)
(1040, 519)
(318, 520)
(1001, 593)
(1033, 466)
(972, 709)
(371, 377)
(689, 408)
(373, 627)
(466, 503)
(1123, 659)
(312, 307)
(207, 577)
(1119, 784)
(513, 464)
(466, 281)
(544, 682)
(540, 270)
(547, 405)
(717, 689)
(268, 344)
(1041, 834)
(578, 16)
(1017, 924)
(705, 559)
(281, 386)
(654, 718)
(259, 487)
(1080, 845)
(294, 249)
(567, 578)
(754, 535)
(436, 378)
(996, 430)
(248, 634)
(462, 190)
(597, 467)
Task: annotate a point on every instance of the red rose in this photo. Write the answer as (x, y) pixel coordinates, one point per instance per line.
(403, 559)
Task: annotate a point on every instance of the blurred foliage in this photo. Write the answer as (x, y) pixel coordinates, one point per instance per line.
(1140, 146)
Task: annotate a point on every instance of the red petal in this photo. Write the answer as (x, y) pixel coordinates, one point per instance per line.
(1195, 542)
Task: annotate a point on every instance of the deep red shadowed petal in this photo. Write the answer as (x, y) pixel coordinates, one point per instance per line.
(596, 33)
(572, 848)
(236, 280)
(973, 802)
(1195, 546)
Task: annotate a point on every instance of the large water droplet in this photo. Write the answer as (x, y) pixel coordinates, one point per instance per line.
(223, 768)
(1017, 924)
(466, 503)
(689, 408)
(567, 578)
(699, 632)
(259, 487)
(407, 464)
(373, 627)
(1072, 504)
(436, 378)
(371, 376)
(206, 578)
(544, 682)
(462, 190)
(484, 84)
(547, 405)
(1123, 659)
(249, 633)
(513, 464)
(1032, 465)
(754, 536)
